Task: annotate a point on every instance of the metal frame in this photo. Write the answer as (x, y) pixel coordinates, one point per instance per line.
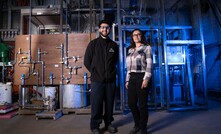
(186, 43)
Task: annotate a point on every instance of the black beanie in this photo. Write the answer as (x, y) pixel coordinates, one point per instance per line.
(104, 21)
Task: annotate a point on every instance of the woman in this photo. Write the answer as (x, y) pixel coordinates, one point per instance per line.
(139, 63)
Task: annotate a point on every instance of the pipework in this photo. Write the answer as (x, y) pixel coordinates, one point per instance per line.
(61, 61)
(40, 53)
(76, 58)
(51, 78)
(76, 69)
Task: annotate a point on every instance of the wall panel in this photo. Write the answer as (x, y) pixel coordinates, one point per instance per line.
(77, 44)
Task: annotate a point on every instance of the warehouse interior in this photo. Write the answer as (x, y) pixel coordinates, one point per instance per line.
(45, 86)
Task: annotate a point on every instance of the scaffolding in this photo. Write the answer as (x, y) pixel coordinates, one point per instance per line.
(179, 71)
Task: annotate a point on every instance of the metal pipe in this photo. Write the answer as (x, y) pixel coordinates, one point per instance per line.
(113, 31)
(76, 69)
(51, 77)
(102, 9)
(39, 54)
(66, 34)
(37, 75)
(32, 68)
(121, 58)
(141, 5)
(42, 77)
(165, 53)
(61, 16)
(90, 19)
(78, 14)
(85, 85)
(190, 79)
(3, 73)
(62, 61)
(70, 75)
(203, 54)
(29, 48)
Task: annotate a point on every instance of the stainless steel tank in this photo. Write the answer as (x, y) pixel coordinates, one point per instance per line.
(74, 96)
(23, 96)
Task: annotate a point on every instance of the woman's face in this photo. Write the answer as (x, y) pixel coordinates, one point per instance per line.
(136, 36)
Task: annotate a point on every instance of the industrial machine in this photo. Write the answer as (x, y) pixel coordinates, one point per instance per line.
(51, 85)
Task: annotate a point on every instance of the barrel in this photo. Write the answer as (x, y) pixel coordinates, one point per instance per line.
(5, 93)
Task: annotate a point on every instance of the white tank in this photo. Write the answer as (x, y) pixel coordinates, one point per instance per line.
(50, 91)
(5, 93)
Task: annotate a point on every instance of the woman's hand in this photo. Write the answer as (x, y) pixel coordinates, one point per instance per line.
(126, 85)
(144, 84)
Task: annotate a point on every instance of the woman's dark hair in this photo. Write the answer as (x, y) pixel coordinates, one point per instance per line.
(143, 39)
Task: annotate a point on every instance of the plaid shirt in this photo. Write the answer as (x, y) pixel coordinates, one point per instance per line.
(139, 61)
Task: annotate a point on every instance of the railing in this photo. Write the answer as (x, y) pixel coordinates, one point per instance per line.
(8, 34)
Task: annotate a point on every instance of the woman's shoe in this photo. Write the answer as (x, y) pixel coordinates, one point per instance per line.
(134, 130)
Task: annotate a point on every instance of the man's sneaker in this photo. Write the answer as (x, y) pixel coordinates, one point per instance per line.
(134, 130)
(111, 129)
(96, 131)
(142, 131)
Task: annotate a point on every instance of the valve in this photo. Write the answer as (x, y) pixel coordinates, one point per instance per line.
(76, 69)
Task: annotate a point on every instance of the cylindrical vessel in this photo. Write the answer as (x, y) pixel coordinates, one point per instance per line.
(50, 91)
(5, 93)
(74, 96)
(23, 95)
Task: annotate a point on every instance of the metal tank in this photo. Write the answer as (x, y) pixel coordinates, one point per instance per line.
(74, 96)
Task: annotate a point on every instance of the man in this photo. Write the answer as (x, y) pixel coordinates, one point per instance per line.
(100, 59)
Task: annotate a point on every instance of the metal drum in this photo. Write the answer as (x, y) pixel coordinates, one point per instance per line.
(74, 96)
(5, 93)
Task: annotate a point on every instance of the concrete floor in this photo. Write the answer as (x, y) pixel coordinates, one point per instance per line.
(160, 122)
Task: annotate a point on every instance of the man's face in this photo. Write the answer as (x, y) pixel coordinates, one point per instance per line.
(104, 29)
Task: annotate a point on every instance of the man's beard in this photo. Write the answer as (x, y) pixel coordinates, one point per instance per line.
(104, 35)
